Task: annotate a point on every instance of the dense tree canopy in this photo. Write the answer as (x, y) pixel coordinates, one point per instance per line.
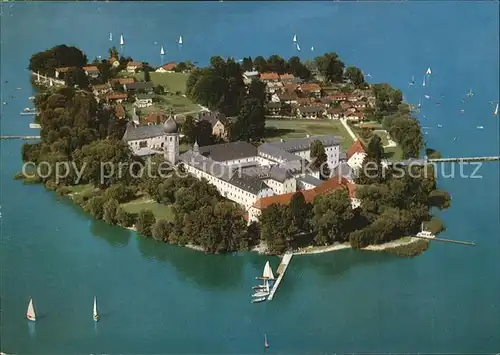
(330, 67)
(60, 56)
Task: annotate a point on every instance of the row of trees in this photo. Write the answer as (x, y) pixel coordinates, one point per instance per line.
(277, 64)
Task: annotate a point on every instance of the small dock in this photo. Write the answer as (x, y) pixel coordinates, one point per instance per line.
(463, 159)
(447, 240)
(35, 126)
(281, 273)
(26, 138)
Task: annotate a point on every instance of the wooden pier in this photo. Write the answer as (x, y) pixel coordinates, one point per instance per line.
(26, 138)
(447, 240)
(463, 159)
(281, 273)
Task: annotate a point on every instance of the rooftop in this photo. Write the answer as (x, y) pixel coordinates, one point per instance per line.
(133, 133)
(311, 180)
(229, 151)
(356, 147)
(301, 144)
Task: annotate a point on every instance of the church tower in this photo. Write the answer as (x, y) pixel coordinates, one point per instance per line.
(171, 146)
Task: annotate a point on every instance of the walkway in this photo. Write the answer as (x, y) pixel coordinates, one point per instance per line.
(281, 271)
(348, 129)
(20, 137)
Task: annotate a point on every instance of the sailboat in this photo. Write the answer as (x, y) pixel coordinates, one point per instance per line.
(295, 38)
(298, 47)
(30, 313)
(425, 234)
(470, 93)
(495, 113)
(412, 82)
(110, 36)
(427, 97)
(180, 39)
(419, 104)
(266, 344)
(96, 315)
(122, 42)
(429, 71)
(268, 272)
(162, 52)
(312, 48)
(423, 83)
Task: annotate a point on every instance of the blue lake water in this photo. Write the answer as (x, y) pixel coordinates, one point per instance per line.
(155, 298)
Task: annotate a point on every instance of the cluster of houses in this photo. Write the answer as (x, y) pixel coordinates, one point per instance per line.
(307, 100)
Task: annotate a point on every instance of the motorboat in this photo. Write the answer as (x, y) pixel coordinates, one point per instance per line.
(260, 294)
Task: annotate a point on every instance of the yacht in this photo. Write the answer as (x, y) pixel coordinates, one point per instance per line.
(260, 299)
(30, 313)
(260, 294)
(425, 234)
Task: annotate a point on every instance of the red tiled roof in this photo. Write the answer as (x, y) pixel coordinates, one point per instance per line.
(123, 81)
(287, 76)
(169, 66)
(119, 111)
(290, 87)
(338, 96)
(102, 86)
(269, 76)
(91, 68)
(117, 96)
(356, 147)
(304, 101)
(310, 87)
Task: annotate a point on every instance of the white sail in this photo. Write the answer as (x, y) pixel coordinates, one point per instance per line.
(96, 315)
(298, 47)
(122, 42)
(268, 272)
(423, 82)
(429, 71)
(110, 36)
(162, 52)
(30, 314)
(312, 48)
(496, 111)
(267, 286)
(180, 39)
(266, 344)
(295, 38)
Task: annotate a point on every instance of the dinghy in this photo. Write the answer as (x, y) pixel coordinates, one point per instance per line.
(260, 294)
(298, 47)
(423, 82)
(110, 36)
(495, 113)
(260, 299)
(180, 39)
(30, 313)
(295, 38)
(122, 42)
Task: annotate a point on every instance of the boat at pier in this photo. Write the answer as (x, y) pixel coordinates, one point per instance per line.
(258, 300)
(425, 234)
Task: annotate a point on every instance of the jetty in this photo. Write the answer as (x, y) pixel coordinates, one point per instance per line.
(446, 240)
(463, 159)
(26, 138)
(281, 273)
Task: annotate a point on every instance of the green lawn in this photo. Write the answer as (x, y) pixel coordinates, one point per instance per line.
(143, 203)
(81, 189)
(277, 129)
(171, 81)
(177, 103)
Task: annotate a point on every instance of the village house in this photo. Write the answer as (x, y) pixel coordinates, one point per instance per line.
(356, 155)
(118, 97)
(92, 71)
(353, 97)
(143, 100)
(310, 112)
(338, 97)
(269, 77)
(166, 68)
(286, 97)
(122, 81)
(347, 107)
(248, 76)
(304, 101)
(154, 118)
(274, 86)
(355, 116)
(287, 78)
(310, 89)
(217, 120)
(61, 71)
(119, 111)
(273, 108)
(133, 66)
(114, 62)
(101, 89)
(141, 86)
(334, 113)
(361, 104)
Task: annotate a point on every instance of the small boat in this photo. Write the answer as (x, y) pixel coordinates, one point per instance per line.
(162, 52)
(266, 344)
(295, 38)
(30, 313)
(495, 113)
(440, 125)
(27, 109)
(412, 82)
(268, 272)
(480, 127)
(425, 234)
(429, 71)
(96, 315)
(427, 97)
(423, 82)
(110, 36)
(419, 104)
(312, 48)
(298, 47)
(455, 138)
(122, 42)
(470, 93)
(462, 111)
(260, 299)
(259, 287)
(260, 294)
(31, 98)
(180, 39)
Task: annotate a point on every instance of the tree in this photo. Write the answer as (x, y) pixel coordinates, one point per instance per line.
(94, 207)
(123, 218)
(76, 77)
(145, 220)
(375, 148)
(260, 64)
(158, 90)
(257, 90)
(204, 133)
(119, 192)
(355, 76)
(276, 64)
(301, 211)
(113, 53)
(250, 123)
(247, 64)
(161, 230)
(298, 69)
(277, 228)
(147, 76)
(332, 214)
(331, 67)
(109, 211)
(60, 56)
(319, 159)
(189, 129)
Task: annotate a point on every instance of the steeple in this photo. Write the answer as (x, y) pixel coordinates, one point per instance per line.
(196, 147)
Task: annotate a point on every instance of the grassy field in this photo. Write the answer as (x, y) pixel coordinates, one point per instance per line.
(171, 81)
(393, 153)
(277, 129)
(176, 103)
(143, 203)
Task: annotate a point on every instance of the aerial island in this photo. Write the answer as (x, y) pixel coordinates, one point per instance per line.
(257, 154)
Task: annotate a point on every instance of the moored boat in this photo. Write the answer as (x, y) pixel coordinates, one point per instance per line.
(260, 299)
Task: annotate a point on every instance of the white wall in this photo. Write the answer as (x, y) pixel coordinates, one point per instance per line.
(153, 143)
(356, 160)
